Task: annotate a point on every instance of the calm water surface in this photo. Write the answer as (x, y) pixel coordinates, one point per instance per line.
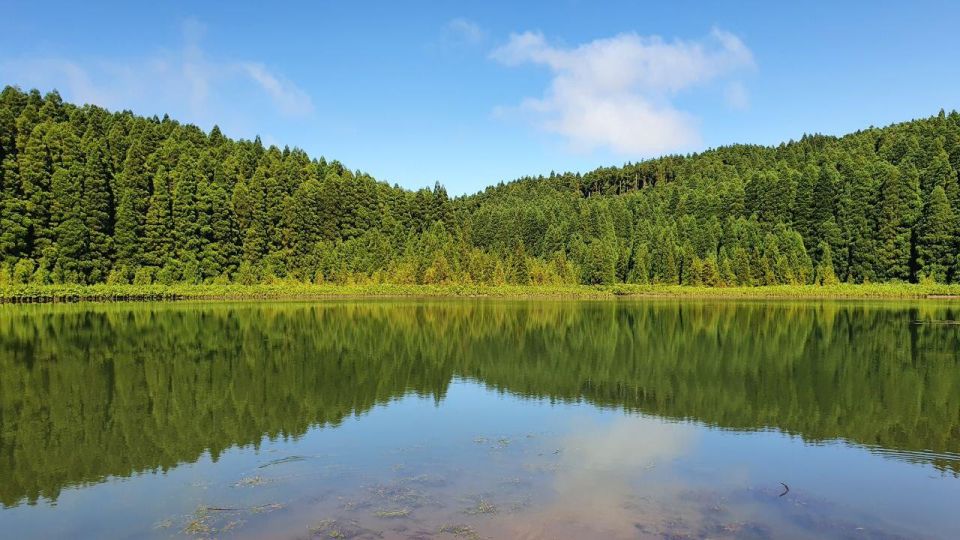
(480, 419)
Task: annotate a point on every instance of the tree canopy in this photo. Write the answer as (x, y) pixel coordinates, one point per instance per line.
(92, 196)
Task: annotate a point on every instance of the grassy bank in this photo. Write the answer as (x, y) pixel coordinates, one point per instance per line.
(73, 293)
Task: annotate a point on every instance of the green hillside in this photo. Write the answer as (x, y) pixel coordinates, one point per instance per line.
(92, 196)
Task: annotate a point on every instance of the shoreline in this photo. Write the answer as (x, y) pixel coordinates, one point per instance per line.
(17, 294)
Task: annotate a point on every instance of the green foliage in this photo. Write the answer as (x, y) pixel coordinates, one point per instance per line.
(937, 241)
(825, 273)
(23, 270)
(94, 197)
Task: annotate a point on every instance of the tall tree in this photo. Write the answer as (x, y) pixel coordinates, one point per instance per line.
(132, 199)
(937, 238)
(896, 212)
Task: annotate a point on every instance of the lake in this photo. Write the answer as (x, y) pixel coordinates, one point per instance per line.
(480, 419)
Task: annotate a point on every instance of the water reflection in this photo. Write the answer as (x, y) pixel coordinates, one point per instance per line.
(90, 393)
(605, 479)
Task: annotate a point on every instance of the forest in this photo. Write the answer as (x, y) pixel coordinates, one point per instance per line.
(91, 196)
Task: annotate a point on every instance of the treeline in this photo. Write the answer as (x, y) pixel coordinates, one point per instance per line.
(90, 196)
(90, 392)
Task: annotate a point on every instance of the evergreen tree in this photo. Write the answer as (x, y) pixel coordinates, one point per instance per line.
(14, 221)
(896, 213)
(599, 268)
(70, 233)
(36, 170)
(664, 259)
(519, 269)
(96, 202)
(159, 225)
(825, 274)
(936, 238)
(132, 198)
(640, 264)
(741, 267)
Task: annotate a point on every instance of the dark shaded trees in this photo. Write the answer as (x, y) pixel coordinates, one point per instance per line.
(937, 238)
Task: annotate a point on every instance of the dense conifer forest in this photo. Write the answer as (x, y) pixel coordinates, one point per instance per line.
(92, 196)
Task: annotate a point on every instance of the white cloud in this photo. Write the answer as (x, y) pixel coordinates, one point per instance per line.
(461, 30)
(603, 470)
(616, 92)
(287, 96)
(182, 81)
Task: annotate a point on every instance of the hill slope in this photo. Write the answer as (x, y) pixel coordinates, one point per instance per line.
(89, 196)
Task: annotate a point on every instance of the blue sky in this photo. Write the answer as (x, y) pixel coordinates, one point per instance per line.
(470, 94)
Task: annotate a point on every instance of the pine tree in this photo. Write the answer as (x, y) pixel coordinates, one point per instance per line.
(132, 199)
(14, 222)
(936, 238)
(36, 171)
(664, 259)
(824, 196)
(70, 232)
(599, 267)
(640, 264)
(159, 225)
(798, 261)
(710, 272)
(222, 253)
(96, 203)
(742, 268)
(898, 209)
(803, 219)
(725, 269)
(519, 269)
(825, 274)
(184, 210)
(938, 171)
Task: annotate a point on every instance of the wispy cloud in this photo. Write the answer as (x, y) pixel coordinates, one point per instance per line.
(618, 92)
(288, 98)
(463, 31)
(184, 79)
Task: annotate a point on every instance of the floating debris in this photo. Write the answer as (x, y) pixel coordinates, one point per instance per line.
(429, 480)
(351, 505)
(163, 524)
(207, 520)
(392, 514)
(482, 507)
(321, 525)
(401, 495)
(200, 524)
(288, 459)
(460, 531)
(264, 508)
(235, 524)
(197, 526)
(252, 481)
(342, 530)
